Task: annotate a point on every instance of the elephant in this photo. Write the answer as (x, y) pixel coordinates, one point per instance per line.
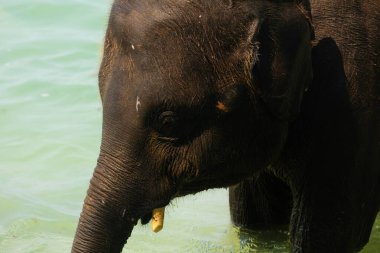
(279, 100)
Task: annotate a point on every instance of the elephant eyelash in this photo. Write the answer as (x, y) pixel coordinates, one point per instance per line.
(167, 139)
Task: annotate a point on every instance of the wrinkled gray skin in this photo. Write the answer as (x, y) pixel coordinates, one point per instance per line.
(203, 94)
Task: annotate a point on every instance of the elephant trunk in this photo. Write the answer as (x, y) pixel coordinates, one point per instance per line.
(109, 211)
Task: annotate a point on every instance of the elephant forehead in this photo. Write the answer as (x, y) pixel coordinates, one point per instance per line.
(198, 50)
(182, 74)
(134, 18)
(212, 33)
(185, 50)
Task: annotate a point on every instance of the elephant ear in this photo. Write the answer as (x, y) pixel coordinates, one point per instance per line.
(284, 70)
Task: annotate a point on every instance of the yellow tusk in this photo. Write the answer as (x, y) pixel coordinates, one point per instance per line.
(158, 219)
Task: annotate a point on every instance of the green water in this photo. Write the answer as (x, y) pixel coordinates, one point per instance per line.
(50, 125)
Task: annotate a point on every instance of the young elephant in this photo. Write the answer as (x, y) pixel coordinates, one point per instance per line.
(201, 94)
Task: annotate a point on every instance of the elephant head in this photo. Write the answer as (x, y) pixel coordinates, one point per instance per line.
(196, 95)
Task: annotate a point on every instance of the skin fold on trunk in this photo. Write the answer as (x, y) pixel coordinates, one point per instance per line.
(106, 222)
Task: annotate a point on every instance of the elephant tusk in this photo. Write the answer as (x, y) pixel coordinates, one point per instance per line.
(158, 219)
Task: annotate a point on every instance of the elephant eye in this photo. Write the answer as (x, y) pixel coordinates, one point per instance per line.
(168, 126)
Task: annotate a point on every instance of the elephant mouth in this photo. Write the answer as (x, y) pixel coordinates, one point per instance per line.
(156, 217)
(155, 214)
(145, 219)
